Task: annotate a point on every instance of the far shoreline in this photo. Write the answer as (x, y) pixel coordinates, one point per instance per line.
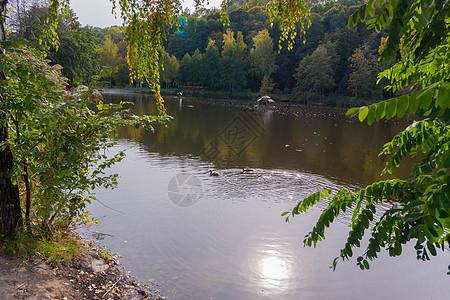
(326, 101)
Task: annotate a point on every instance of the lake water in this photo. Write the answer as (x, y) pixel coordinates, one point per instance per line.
(195, 236)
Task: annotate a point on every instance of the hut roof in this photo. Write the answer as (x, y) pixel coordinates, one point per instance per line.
(267, 98)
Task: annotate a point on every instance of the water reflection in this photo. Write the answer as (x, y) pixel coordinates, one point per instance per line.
(320, 140)
(180, 103)
(233, 243)
(274, 269)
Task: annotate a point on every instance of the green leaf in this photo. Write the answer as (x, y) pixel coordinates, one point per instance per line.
(398, 249)
(371, 114)
(443, 98)
(413, 230)
(363, 113)
(352, 111)
(425, 98)
(402, 105)
(326, 193)
(350, 22)
(432, 229)
(381, 110)
(412, 204)
(431, 248)
(391, 108)
(370, 9)
(422, 21)
(354, 19)
(447, 160)
(413, 104)
(363, 12)
(366, 264)
(356, 211)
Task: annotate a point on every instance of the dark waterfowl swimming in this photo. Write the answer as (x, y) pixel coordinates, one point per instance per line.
(211, 173)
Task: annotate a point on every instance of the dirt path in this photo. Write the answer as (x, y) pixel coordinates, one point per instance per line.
(86, 277)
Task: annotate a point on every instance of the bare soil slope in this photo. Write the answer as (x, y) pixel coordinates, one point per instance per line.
(86, 277)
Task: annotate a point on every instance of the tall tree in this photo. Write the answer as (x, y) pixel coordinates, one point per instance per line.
(231, 64)
(76, 45)
(364, 71)
(10, 210)
(196, 65)
(109, 56)
(262, 55)
(185, 71)
(266, 86)
(314, 73)
(171, 66)
(239, 52)
(122, 77)
(115, 33)
(109, 52)
(211, 60)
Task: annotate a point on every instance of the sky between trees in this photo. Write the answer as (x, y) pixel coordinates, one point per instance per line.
(97, 13)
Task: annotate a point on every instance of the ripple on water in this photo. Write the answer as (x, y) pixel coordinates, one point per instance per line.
(271, 186)
(230, 245)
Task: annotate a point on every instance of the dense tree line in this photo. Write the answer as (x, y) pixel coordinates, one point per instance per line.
(76, 49)
(260, 57)
(201, 53)
(81, 51)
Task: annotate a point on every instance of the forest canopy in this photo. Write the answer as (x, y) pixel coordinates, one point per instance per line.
(206, 37)
(192, 33)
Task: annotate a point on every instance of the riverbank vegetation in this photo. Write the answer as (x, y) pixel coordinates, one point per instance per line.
(53, 141)
(57, 141)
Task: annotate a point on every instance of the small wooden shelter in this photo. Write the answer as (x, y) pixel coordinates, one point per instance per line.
(265, 101)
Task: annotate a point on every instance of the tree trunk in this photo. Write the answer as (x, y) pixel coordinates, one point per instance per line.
(10, 212)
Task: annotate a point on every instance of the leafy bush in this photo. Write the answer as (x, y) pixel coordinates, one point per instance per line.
(59, 140)
(420, 205)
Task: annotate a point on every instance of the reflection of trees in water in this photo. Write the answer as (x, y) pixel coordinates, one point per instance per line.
(318, 140)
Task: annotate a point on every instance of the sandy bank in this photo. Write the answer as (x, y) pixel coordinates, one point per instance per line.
(86, 277)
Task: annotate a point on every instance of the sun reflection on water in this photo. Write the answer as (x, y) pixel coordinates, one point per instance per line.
(274, 270)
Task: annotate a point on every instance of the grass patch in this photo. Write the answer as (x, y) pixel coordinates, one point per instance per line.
(104, 254)
(58, 250)
(22, 244)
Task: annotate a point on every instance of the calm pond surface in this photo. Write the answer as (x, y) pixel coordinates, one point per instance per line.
(195, 236)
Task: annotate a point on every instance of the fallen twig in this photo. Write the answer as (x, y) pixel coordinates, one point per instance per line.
(106, 293)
